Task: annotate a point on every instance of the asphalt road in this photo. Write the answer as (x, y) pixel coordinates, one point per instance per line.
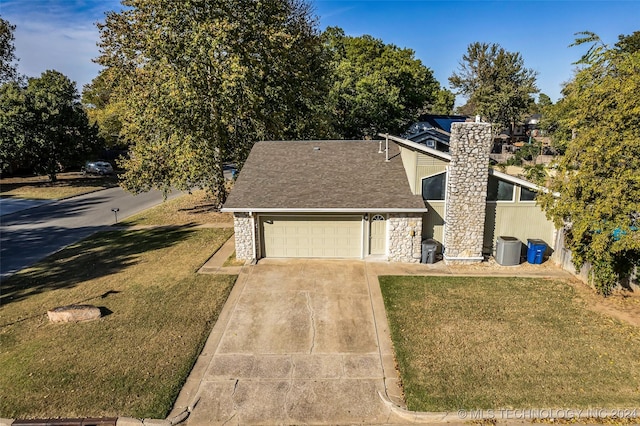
(28, 236)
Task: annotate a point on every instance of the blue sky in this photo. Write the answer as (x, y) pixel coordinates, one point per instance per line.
(61, 34)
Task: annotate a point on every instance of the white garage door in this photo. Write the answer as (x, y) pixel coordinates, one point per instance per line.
(336, 236)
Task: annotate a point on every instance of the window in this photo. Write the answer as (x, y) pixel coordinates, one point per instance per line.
(433, 187)
(527, 194)
(499, 190)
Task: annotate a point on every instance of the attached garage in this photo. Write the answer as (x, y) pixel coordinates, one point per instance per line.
(311, 236)
(325, 199)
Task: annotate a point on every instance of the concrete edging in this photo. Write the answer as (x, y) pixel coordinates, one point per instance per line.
(501, 415)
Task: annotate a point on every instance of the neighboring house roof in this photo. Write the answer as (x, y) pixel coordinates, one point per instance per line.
(442, 122)
(447, 157)
(436, 128)
(418, 147)
(430, 134)
(322, 176)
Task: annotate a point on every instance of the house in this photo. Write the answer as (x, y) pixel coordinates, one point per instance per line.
(433, 131)
(356, 199)
(335, 199)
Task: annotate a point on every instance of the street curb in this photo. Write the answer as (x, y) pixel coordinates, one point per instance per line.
(530, 415)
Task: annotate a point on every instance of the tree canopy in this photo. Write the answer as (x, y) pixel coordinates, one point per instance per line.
(375, 87)
(598, 178)
(443, 103)
(102, 108)
(195, 92)
(628, 43)
(496, 83)
(8, 70)
(44, 124)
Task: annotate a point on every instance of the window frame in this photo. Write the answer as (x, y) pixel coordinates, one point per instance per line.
(513, 192)
(527, 189)
(444, 192)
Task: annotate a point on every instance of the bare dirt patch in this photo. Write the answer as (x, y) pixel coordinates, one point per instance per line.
(622, 305)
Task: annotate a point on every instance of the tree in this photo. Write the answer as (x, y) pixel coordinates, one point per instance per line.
(196, 91)
(15, 115)
(598, 178)
(102, 108)
(376, 87)
(544, 100)
(628, 43)
(496, 83)
(44, 124)
(555, 124)
(443, 103)
(8, 70)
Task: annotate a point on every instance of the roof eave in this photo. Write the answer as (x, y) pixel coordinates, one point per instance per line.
(414, 145)
(521, 182)
(445, 156)
(323, 210)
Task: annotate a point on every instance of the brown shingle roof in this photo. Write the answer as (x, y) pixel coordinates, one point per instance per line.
(317, 175)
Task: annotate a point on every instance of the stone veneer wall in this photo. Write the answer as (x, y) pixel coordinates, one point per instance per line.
(402, 246)
(243, 226)
(468, 173)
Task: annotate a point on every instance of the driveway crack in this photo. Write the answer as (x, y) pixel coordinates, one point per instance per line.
(313, 322)
(233, 402)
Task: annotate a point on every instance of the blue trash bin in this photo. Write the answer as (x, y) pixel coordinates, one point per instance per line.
(535, 251)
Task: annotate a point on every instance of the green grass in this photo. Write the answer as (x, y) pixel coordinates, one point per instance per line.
(490, 343)
(189, 209)
(40, 188)
(134, 360)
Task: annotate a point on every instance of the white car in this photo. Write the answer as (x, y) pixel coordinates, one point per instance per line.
(97, 168)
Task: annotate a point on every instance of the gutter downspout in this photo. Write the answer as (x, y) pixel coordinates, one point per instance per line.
(253, 236)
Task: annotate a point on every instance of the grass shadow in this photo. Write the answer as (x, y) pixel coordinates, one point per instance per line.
(201, 208)
(12, 184)
(100, 255)
(104, 311)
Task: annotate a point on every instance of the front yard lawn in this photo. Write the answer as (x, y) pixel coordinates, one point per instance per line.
(196, 208)
(134, 360)
(492, 343)
(41, 188)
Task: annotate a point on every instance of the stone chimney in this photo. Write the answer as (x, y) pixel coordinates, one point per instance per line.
(466, 193)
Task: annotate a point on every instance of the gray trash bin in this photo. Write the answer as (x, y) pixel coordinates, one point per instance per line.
(429, 248)
(508, 251)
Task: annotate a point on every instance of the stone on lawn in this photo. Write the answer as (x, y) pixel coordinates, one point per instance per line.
(74, 313)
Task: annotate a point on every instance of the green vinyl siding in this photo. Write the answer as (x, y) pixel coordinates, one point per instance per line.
(433, 221)
(522, 220)
(429, 160)
(427, 166)
(409, 159)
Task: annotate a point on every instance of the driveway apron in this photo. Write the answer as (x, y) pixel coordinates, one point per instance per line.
(298, 345)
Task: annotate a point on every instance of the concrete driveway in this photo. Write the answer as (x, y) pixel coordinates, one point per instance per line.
(299, 341)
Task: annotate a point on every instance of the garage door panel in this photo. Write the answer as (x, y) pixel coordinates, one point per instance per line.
(331, 237)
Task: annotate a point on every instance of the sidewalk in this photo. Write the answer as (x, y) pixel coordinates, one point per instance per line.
(215, 263)
(485, 269)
